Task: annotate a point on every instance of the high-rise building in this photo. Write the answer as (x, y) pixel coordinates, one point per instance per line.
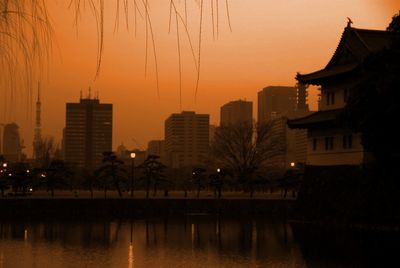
(275, 101)
(275, 106)
(88, 132)
(12, 147)
(186, 139)
(236, 112)
(212, 130)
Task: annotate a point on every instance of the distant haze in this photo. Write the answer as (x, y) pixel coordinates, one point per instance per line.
(270, 42)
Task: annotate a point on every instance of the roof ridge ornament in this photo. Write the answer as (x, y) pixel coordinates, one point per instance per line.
(349, 22)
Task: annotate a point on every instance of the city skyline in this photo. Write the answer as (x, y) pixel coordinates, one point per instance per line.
(269, 52)
(199, 133)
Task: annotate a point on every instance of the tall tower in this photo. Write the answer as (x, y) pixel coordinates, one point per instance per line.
(37, 140)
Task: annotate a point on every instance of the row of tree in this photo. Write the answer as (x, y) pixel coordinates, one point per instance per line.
(240, 150)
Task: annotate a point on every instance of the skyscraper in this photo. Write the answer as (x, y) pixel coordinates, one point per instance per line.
(12, 147)
(236, 112)
(276, 101)
(186, 139)
(88, 132)
(275, 106)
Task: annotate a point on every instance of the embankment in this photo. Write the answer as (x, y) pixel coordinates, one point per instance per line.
(25, 208)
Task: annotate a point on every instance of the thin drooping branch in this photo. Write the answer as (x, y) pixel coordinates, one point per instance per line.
(228, 15)
(25, 48)
(199, 51)
(179, 62)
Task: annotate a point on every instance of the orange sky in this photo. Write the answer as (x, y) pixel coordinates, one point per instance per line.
(270, 42)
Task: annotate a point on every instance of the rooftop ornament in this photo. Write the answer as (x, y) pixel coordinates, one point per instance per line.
(349, 22)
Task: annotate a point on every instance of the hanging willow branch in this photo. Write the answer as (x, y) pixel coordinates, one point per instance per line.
(177, 9)
(25, 47)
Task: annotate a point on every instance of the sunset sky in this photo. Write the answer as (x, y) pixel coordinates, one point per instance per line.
(270, 41)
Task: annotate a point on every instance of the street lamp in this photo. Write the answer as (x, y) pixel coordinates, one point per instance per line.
(4, 165)
(218, 184)
(133, 155)
(292, 164)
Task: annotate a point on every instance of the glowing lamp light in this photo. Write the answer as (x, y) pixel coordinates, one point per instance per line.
(4, 165)
(133, 155)
(292, 164)
(218, 170)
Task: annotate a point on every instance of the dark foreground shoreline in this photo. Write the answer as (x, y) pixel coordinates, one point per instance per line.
(30, 208)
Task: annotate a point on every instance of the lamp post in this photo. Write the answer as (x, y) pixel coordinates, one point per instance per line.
(133, 155)
(219, 182)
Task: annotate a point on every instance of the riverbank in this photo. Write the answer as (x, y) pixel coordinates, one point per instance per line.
(86, 208)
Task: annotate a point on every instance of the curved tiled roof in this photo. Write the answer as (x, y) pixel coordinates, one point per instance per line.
(354, 46)
(317, 118)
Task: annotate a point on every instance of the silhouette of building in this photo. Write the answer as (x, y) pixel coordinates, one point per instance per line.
(212, 129)
(186, 139)
(275, 101)
(276, 104)
(12, 147)
(88, 132)
(236, 112)
(330, 142)
(37, 139)
(157, 147)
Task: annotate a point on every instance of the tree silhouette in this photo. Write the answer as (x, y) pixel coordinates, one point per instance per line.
(88, 181)
(394, 25)
(111, 173)
(243, 149)
(57, 175)
(199, 179)
(21, 177)
(153, 173)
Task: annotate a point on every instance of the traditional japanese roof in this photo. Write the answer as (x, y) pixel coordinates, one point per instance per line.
(319, 118)
(354, 46)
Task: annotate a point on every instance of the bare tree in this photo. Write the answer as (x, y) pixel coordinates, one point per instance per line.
(47, 150)
(244, 148)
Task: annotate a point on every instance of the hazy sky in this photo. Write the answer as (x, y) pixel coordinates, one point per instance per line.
(270, 41)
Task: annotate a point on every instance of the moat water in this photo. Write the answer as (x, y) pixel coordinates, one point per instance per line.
(191, 241)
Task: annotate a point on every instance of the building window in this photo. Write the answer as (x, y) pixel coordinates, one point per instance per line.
(314, 144)
(347, 142)
(330, 98)
(350, 141)
(328, 143)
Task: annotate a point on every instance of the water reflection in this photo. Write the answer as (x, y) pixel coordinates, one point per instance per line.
(196, 241)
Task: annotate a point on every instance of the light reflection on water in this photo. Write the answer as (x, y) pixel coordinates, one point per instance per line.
(172, 242)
